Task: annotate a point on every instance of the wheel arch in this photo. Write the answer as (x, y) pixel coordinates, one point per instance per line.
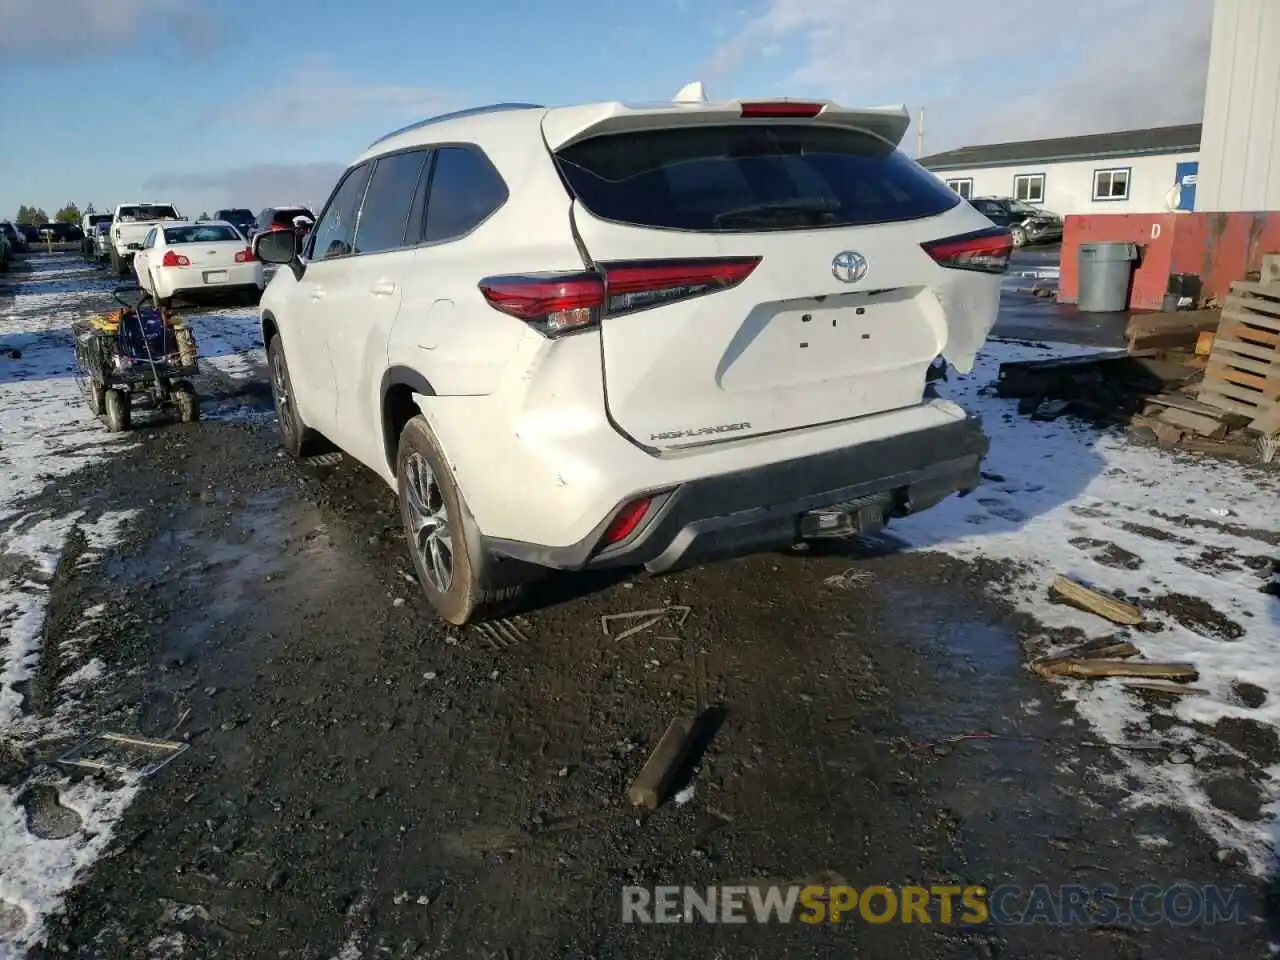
(269, 328)
(399, 385)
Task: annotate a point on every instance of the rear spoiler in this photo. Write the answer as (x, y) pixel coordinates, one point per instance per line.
(568, 125)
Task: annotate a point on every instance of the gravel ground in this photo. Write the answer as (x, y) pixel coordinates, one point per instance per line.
(362, 782)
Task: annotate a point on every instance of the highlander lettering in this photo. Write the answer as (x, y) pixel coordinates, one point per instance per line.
(699, 431)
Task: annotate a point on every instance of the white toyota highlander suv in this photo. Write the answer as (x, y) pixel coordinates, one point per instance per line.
(643, 335)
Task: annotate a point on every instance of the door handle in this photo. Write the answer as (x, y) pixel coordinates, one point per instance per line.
(383, 288)
(317, 293)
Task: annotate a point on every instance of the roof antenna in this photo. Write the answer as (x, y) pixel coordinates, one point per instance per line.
(691, 93)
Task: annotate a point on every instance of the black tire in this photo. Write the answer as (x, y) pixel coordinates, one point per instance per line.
(116, 406)
(475, 587)
(118, 266)
(188, 404)
(295, 436)
(97, 398)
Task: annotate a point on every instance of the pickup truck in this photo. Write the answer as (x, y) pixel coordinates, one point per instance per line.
(88, 226)
(129, 227)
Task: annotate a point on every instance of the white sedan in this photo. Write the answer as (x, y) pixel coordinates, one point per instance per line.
(181, 259)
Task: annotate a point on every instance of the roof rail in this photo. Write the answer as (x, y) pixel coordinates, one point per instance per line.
(458, 115)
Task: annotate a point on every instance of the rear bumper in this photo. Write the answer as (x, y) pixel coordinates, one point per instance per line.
(759, 508)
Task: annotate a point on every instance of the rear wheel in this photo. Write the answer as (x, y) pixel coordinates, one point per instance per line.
(118, 266)
(185, 399)
(459, 581)
(295, 436)
(1019, 237)
(97, 398)
(116, 406)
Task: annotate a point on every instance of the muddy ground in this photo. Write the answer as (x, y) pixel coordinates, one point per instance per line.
(363, 782)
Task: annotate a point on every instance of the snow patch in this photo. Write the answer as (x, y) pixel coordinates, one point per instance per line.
(1155, 525)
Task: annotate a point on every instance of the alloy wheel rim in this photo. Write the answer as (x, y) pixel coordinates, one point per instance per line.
(428, 518)
(280, 391)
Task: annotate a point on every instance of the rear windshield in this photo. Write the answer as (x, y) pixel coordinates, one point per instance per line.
(147, 212)
(97, 218)
(284, 216)
(202, 233)
(235, 214)
(750, 178)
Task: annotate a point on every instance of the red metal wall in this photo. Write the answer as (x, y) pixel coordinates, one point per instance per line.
(1216, 247)
(1153, 232)
(1222, 247)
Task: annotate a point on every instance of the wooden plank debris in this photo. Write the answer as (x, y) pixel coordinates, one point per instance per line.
(1048, 666)
(1168, 331)
(1117, 611)
(649, 788)
(1163, 686)
(1095, 668)
(1204, 343)
(1206, 426)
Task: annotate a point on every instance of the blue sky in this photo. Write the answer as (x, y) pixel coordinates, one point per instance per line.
(217, 103)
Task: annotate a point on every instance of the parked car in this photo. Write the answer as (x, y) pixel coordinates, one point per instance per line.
(130, 225)
(1027, 223)
(239, 217)
(30, 231)
(6, 252)
(60, 232)
(17, 239)
(88, 228)
(179, 259)
(650, 336)
(102, 242)
(282, 218)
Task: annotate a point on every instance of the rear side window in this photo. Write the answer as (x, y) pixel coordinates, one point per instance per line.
(750, 178)
(465, 191)
(284, 216)
(148, 212)
(336, 230)
(389, 201)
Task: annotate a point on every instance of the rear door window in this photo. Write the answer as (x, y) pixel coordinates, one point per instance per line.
(465, 191)
(384, 218)
(750, 178)
(336, 230)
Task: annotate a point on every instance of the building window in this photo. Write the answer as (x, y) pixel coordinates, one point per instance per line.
(1111, 184)
(1029, 187)
(962, 187)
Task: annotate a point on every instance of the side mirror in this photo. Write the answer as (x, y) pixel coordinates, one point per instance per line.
(131, 297)
(276, 246)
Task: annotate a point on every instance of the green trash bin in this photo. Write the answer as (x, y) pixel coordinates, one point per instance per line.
(1105, 271)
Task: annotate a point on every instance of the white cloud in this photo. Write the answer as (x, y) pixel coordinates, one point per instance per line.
(993, 68)
(318, 95)
(255, 186)
(42, 28)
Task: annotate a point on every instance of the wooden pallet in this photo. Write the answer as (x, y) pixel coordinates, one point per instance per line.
(1243, 374)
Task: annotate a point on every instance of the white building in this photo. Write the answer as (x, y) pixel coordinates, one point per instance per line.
(1133, 171)
(1241, 149)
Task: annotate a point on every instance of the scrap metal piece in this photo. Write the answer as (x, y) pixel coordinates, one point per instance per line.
(655, 616)
(124, 755)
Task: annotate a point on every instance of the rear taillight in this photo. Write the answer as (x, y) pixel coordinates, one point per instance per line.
(245, 256)
(986, 251)
(565, 303)
(172, 259)
(556, 304)
(626, 521)
(780, 109)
